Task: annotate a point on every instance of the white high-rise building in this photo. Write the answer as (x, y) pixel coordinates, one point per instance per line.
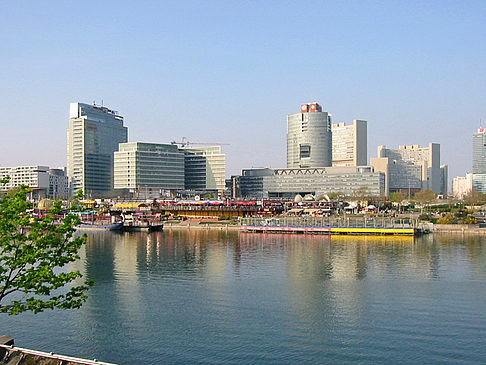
(462, 185)
(350, 144)
(93, 136)
(309, 138)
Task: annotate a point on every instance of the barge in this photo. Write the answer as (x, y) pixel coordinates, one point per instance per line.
(338, 226)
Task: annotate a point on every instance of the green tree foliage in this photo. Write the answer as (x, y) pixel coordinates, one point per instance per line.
(32, 253)
(397, 197)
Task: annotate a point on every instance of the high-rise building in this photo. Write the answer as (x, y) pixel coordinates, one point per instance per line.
(479, 160)
(205, 168)
(93, 136)
(148, 168)
(411, 168)
(350, 144)
(462, 185)
(479, 151)
(444, 180)
(309, 138)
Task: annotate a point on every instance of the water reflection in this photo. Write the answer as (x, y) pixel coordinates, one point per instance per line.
(220, 296)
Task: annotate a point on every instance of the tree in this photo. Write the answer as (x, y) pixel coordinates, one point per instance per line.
(474, 197)
(32, 253)
(397, 197)
(425, 197)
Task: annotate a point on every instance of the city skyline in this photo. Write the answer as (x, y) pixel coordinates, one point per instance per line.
(230, 73)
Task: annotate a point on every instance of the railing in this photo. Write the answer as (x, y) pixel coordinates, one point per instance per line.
(351, 222)
(50, 355)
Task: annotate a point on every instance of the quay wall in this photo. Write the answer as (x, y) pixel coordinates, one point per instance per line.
(458, 228)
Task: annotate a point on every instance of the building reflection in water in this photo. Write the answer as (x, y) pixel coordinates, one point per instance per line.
(316, 273)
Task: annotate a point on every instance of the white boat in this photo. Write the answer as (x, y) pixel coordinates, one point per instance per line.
(99, 227)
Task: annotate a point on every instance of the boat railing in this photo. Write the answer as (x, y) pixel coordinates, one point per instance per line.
(350, 222)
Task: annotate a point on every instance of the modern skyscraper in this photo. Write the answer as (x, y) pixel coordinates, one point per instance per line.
(479, 160)
(93, 136)
(148, 168)
(205, 168)
(479, 151)
(309, 138)
(350, 144)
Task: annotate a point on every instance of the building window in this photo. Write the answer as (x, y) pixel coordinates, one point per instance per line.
(305, 151)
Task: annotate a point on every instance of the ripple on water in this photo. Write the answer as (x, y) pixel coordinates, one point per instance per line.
(228, 298)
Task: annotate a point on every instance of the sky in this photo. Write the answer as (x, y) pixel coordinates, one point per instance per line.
(230, 71)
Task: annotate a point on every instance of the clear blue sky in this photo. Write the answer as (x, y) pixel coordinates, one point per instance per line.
(230, 71)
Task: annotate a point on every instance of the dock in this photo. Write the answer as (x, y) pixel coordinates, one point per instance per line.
(139, 226)
(339, 226)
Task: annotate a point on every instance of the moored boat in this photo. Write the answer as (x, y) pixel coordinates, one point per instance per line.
(86, 226)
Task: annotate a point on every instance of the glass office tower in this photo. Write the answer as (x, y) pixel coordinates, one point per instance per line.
(93, 136)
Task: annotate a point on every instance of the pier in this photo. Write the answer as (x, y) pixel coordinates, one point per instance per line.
(334, 225)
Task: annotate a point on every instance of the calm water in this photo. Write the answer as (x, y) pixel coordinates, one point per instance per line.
(223, 297)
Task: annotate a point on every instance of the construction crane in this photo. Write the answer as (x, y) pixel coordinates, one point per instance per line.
(185, 143)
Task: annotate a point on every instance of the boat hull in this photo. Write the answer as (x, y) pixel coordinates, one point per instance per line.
(99, 227)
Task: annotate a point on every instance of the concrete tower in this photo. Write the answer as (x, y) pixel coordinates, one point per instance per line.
(309, 138)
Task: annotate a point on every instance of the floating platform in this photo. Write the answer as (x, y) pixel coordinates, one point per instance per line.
(406, 231)
(142, 227)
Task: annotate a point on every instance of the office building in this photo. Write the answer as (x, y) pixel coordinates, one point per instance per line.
(44, 182)
(350, 144)
(444, 180)
(410, 168)
(479, 152)
(93, 136)
(462, 185)
(205, 168)
(479, 160)
(271, 183)
(309, 138)
(148, 169)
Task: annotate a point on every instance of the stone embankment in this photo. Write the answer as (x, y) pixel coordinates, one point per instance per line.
(459, 228)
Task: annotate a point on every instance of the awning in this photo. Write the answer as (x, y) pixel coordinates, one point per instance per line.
(130, 205)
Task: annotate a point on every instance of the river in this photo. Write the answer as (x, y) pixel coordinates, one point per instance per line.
(216, 297)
